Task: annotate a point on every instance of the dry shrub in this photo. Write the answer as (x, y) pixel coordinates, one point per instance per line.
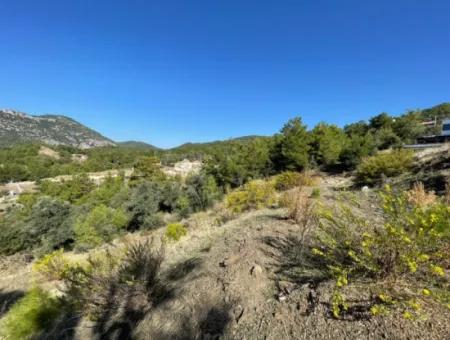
(300, 207)
(117, 283)
(447, 193)
(419, 197)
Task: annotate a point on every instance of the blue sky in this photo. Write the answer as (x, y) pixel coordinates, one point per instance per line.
(168, 72)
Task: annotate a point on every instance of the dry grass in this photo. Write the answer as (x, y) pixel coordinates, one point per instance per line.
(300, 207)
(419, 197)
(447, 192)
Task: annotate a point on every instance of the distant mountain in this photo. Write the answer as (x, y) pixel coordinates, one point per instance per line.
(218, 142)
(137, 145)
(17, 127)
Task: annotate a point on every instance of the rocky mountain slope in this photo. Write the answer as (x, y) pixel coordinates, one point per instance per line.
(16, 127)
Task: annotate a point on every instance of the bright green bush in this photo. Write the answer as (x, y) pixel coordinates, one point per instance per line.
(315, 193)
(52, 266)
(30, 316)
(175, 231)
(253, 195)
(389, 164)
(99, 226)
(410, 247)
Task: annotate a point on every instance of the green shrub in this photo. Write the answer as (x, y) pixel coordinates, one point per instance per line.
(389, 164)
(202, 191)
(291, 179)
(253, 195)
(105, 192)
(143, 206)
(175, 231)
(30, 316)
(410, 247)
(315, 193)
(52, 266)
(70, 190)
(44, 228)
(100, 225)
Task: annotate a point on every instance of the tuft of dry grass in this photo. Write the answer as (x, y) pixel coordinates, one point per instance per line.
(447, 192)
(419, 197)
(300, 207)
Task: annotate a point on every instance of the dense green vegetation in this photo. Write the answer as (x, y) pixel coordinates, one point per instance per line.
(78, 214)
(235, 161)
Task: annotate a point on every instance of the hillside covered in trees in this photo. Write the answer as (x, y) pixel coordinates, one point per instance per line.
(295, 147)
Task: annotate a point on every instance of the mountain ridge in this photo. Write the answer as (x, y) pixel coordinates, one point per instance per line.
(17, 127)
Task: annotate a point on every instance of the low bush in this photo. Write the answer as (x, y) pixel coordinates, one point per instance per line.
(315, 193)
(52, 266)
(291, 179)
(143, 206)
(98, 226)
(300, 208)
(30, 316)
(419, 197)
(388, 164)
(175, 231)
(42, 229)
(409, 249)
(123, 283)
(256, 194)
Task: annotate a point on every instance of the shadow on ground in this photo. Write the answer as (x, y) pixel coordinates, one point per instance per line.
(293, 260)
(211, 325)
(8, 299)
(119, 323)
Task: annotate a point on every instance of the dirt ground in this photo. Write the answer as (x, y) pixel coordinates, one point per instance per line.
(236, 281)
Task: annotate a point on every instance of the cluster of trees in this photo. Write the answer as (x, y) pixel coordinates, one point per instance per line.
(296, 148)
(24, 162)
(79, 214)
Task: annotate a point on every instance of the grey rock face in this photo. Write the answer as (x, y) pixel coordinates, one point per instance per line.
(16, 127)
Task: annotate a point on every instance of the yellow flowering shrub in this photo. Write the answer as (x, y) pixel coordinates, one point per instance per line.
(410, 246)
(255, 194)
(175, 231)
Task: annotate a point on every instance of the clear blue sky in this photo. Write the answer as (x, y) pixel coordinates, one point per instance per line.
(168, 72)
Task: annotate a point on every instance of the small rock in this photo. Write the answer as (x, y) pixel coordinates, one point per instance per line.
(229, 261)
(238, 312)
(256, 270)
(282, 297)
(365, 189)
(286, 287)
